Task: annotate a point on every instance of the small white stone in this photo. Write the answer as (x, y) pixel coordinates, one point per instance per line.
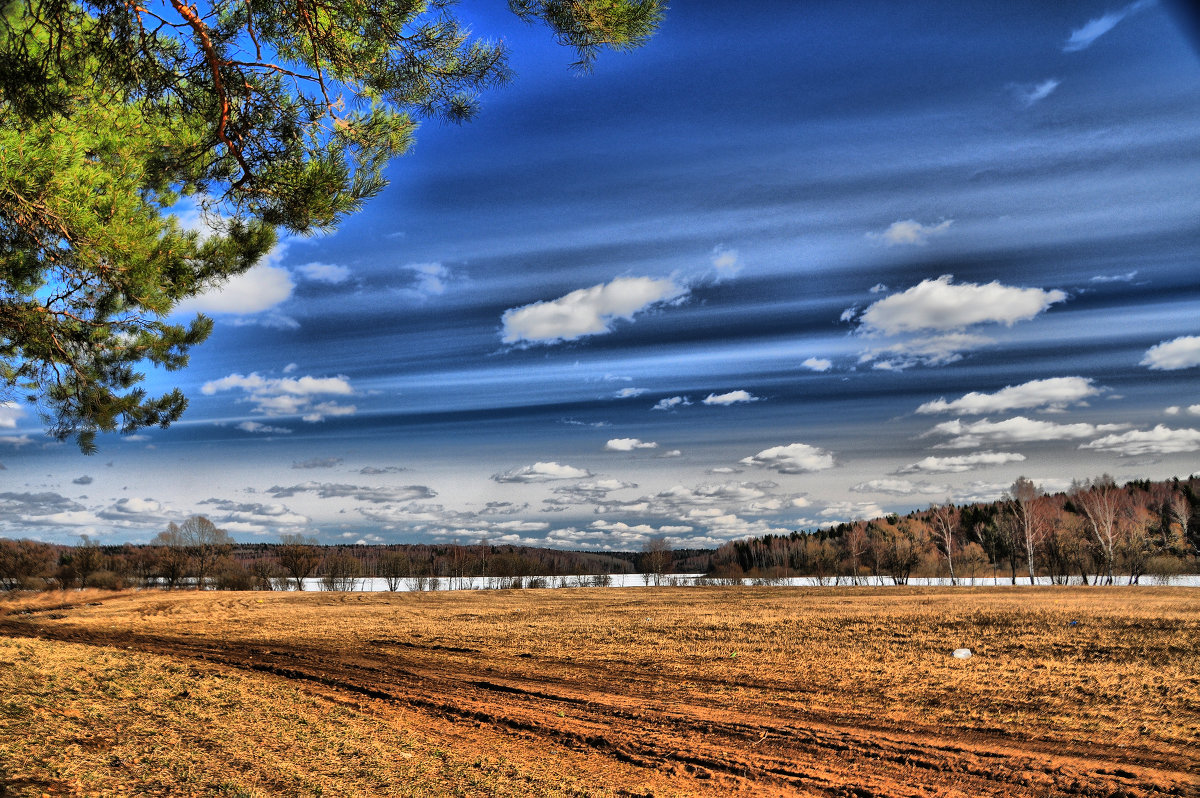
(962, 653)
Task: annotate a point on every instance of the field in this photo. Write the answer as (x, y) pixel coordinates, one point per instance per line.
(673, 691)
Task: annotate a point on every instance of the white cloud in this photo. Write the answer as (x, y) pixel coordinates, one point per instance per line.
(1179, 353)
(262, 429)
(725, 261)
(933, 350)
(939, 304)
(899, 487)
(1127, 277)
(260, 288)
(794, 458)
(1174, 410)
(1018, 429)
(324, 273)
(628, 445)
(1160, 440)
(1029, 94)
(910, 231)
(16, 441)
(287, 395)
(375, 495)
(588, 311)
(629, 393)
(9, 413)
(1054, 393)
(960, 463)
(671, 402)
(931, 319)
(851, 511)
(429, 278)
(672, 453)
(542, 472)
(1081, 38)
(731, 398)
(818, 364)
(878, 288)
(317, 462)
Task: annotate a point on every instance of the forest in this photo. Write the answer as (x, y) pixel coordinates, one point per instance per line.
(1097, 532)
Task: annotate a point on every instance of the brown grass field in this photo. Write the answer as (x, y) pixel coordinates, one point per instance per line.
(671, 691)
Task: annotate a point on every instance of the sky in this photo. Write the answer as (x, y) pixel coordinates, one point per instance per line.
(788, 265)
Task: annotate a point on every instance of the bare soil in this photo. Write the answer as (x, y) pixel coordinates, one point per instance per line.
(699, 691)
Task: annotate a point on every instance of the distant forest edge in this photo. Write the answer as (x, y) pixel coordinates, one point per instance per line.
(1096, 532)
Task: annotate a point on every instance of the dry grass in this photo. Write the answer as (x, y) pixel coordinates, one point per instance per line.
(1064, 667)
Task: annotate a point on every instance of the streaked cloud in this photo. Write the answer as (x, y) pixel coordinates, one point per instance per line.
(260, 288)
(940, 304)
(900, 487)
(629, 393)
(1029, 94)
(725, 261)
(542, 472)
(1054, 393)
(1178, 353)
(1018, 429)
(9, 413)
(1082, 37)
(794, 458)
(961, 463)
(429, 279)
(936, 320)
(817, 364)
(377, 495)
(324, 273)
(262, 429)
(1160, 440)
(730, 398)
(911, 232)
(588, 311)
(317, 462)
(671, 402)
(628, 445)
(286, 396)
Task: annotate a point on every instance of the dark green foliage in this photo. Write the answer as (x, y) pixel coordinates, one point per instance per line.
(267, 115)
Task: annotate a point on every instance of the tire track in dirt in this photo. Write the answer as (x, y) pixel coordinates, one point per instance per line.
(695, 743)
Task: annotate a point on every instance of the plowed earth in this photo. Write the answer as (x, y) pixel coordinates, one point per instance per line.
(712, 691)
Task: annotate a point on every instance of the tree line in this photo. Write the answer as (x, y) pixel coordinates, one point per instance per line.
(1096, 532)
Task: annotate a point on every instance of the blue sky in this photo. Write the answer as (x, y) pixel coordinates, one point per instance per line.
(785, 266)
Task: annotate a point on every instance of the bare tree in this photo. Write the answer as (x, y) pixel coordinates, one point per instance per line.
(173, 562)
(857, 542)
(299, 556)
(206, 544)
(1028, 511)
(945, 529)
(656, 558)
(1103, 504)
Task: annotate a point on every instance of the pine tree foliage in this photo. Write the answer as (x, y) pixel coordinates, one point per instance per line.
(267, 114)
